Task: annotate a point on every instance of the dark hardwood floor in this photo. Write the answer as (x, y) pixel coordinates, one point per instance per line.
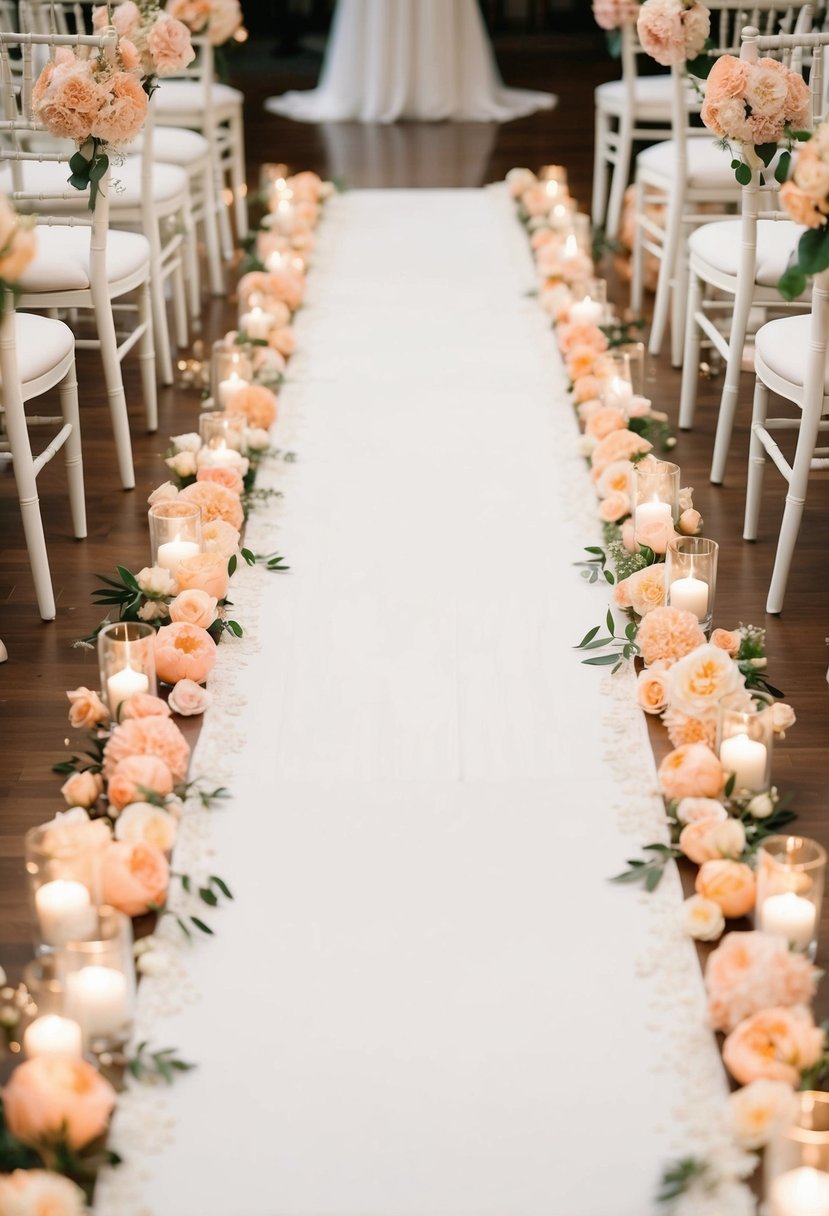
(42, 662)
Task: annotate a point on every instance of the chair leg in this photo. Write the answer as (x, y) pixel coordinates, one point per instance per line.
(756, 462)
(619, 180)
(690, 367)
(192, 272)
(667, 272)
(211, 235)
(114, 380)
(146, 357)
(679, 289)
(24, 475)
(731, 386)
(72, 453)
(637, 279)
(599, 201)
(793, 513)
(238, 178)
(225, 233)
(180, 299)
(161, 330)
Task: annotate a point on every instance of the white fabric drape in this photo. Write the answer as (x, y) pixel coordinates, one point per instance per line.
(409, 59)
(427, 999)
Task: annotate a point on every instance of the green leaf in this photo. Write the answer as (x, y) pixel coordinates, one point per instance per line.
(249, 557)
(609, 577)
(186, 882)
(77, 182)
(631, 630)
(78, 163)
(209, 897)
(743, 174)
(222, 885)
(766, 152)
(235, 628)
(201, 925)
(98, 168)
(700, 67)
(232, 564)
(588, 637)
(729, 785)
(602, 660)
(813, 250)
(611, 624)
(792, 283)
(128, 578)
(781, 173)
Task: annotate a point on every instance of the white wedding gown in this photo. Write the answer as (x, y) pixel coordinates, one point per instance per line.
(409, 59)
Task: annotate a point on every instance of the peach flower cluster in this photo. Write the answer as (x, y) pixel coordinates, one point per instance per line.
(753, 103)
(220, 20)
(156, 736)
(752, 971)
(672, 31)
(776, 1044)
(51, 1096)
(81, 99)
(806, 195)
(668, 634)
(613, 14)
(40, 1193)
(161, 44)
(18, 243)
(184, 652)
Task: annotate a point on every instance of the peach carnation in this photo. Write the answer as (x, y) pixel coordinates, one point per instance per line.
(169, 45)
(683, 728)
(256, 404)
(124, 111)
(731, 884)
(52, 1096)
(148, 737)
(775, 1044)
(215, 502)
(136, 877)
(691, 771)
(668, 634)
(753, 971)
(135, 777)
(184, 652)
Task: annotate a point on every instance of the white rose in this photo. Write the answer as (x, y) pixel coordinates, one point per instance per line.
(225, 458)
(520, 180)
(257, 439)
(156, 581)
(759, 1110)
(782, 716)
(148, 824)
(188, 699)
(189, 442)
(220, 537)
(689, 810)
(165, 493)
(702, 918)
(729, 838)
(183, 464)
(152, 962)
(686, 498)
(153, 610)
(761, 806)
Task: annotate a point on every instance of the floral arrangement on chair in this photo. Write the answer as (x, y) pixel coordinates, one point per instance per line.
(613, 14)
(220, 20)
(673, 31)
(756, 104)
(806, 198)
(161, 43)
(18, 243)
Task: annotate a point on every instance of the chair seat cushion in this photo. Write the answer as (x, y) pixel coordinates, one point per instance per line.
(174, 146)
(43, 177)
(709, 165)
(185, 97)
(719, 245)
(783, 346)
(41, 344)
(653, 95)
(62, 259)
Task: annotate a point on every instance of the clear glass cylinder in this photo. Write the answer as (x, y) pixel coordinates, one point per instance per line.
(560, 215)
(791, 872)
(64, 866)
(231, 370)
(654, 498)
(98, 978)
(691, 576)
(796, 1162)
(220, 431)
(175, 532)
(635, 352)
(273, 179)
(44, 989)
(744, 740)
(126, 657)
(589, 305)
(618, 385)
(554, 180)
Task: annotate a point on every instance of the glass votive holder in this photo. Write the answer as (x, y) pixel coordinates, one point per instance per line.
(231, 370)
(635, 352)
(126, 653)
(560, 215)
(64, 867)
(98, 977)
(554, 180)
(790, 876)
(589, 302)
(618, 386)
(273, 178)
(44, 1030)
(282, 214)
(582, 229)
(655, 498)
(44, 989)
(220, 430)
(796, 1161)
(744, 739)
(175, 532)
(691, 576)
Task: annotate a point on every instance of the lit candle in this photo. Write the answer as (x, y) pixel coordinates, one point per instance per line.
(53, 1036)
(800, 1192)
(588, 312)
(691, 594)
(653, 513)
(127, 682)
(256, 324)
(791, 916)
(64, 911)
(284, 217)
(97, 997)
(275, 260)
(170, 554)
(619, 392)
(218, 455)
(228, 387)
(571, 247)
(746, 759)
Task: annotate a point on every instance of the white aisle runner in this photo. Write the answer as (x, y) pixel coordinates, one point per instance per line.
(427, 1000)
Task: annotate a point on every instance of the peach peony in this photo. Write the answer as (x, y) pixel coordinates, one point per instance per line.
(194, 607)
(204, 572)
(650, 689)
(699, 680)
(169, 45)
(136, 776)
(691, 771)
(731, 884)
(223, 476)
(53, 1096)
(215, 502)
(82, 789)
(761, 1110)
(136, 877)
(775, 1044)
(189, 698)
(753, 971)
(220, 537)
(707, 839)
(144, 705)
(86, 709)
(40, 1193)
(668, 634)
(148, 737)
(619, 445)
(256, 403)
(184, 652)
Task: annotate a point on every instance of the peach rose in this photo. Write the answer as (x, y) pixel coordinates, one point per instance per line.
(753, 971)
(143, 823)
(580, 362)
(689, 522)
(618, 445)
(86, 709)
(605, 421)
(204, 572)
(628, 540)
(647, 589)
(283, 340)
(136, 877)
(194, 607)
(783, 718)
(136, 776)
(256, 404)
(215, 502)
(698, 681)
(727, 640)
(650, 689)
(731, 884)
(775, 1044)
(668, 634)
(82, 789)
(586, 388)
(189, 698)
(223, 476)
(691, 771)
(184, 652)
(760, 1111)
(144, 705)
(220, 537)
(169, 44)
(614, 506)
(163, 493)
(40, 1193)
(73, 832)
(615, 479)
(702, 919)
(149, 737)
(52, 1096)
(654, 533)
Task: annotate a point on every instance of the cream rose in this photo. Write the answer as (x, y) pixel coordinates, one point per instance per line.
(702, 919)
(189, 698)
(40, 1193)
(147, 824)
(194, 607)
(698, 681)
(183, 464)
(190, 441)
(690, 810)
(156, 581)
(760, 1110)
(164, 493)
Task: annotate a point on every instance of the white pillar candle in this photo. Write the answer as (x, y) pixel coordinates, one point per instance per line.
(174, 551)
(218, 457)
(275, 260)
(53, 1036)
(653, 513)
(228, 387)
(98, 998)
(256, 323)
(587, 312)
(284, 217)
(64, 911)
(746, 759)
(800, 1192)
(791, 916)
(127, 682)
(691, 594)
